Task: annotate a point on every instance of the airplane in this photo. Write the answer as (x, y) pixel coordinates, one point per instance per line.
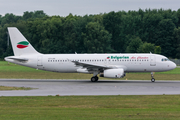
(106, 65)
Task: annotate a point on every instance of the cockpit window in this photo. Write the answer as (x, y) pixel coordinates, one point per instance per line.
(165, 59)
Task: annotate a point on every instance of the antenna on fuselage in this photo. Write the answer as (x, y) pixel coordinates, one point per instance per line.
(75, 52)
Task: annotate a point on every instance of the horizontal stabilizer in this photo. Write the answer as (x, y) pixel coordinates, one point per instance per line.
(16, 58)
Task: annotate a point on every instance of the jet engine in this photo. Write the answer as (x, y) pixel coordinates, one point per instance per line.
(113, 73)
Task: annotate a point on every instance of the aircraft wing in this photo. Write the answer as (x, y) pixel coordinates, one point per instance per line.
(92, 66)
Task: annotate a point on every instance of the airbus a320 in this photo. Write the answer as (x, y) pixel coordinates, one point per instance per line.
(106, 65)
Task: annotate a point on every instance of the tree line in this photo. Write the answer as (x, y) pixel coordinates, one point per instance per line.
(142, 31)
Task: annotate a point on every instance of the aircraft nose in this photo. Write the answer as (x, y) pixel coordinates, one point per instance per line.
(173, 65)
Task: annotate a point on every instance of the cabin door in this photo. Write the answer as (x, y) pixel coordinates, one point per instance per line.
(153, 60)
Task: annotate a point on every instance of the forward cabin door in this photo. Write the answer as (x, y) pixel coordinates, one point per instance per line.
(152, 60)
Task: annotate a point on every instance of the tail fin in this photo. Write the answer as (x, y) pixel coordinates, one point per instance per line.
(19, 43)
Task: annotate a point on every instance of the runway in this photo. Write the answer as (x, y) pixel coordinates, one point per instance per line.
(85, 87)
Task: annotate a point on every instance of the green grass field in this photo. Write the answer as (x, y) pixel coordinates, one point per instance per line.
(165, 107)
(15, 71)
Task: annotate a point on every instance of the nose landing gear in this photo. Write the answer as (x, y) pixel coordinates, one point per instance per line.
(152, 77)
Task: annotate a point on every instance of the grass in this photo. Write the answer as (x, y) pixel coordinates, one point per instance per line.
(90, 107)
(9, 70)
(14, 88)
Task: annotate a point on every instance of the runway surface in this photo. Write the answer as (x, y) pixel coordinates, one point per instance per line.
(85, 87)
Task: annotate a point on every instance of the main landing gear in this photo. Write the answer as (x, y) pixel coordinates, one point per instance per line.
(94, 79)
(152, 77)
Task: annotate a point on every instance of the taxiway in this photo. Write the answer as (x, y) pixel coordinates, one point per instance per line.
(85, 87)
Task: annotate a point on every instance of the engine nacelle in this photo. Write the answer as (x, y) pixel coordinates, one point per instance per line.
(113, 73)
(82, 70)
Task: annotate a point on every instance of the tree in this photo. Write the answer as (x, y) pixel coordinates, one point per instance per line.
(165, 37)
(10, 18)
(36, 14)
(150, 26)
(27, 15)
(111, 22)
(135, 43)
(178, 52)
(146, 48)
(157, 50)
(176, 44)
(96, 39)
(70, 34)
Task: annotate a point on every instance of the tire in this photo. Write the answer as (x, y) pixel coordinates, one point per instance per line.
(93, 79)
(96, 78)
(152, 80)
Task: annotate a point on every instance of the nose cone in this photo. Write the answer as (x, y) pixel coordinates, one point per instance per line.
(173, 65)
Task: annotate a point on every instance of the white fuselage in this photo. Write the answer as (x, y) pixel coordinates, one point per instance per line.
(129, 62)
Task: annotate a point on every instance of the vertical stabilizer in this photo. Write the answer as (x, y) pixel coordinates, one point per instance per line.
(19, 43)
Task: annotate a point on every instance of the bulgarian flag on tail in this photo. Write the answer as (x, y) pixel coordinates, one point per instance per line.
(22, 44)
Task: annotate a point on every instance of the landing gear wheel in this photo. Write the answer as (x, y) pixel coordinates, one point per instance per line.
(94, 79)
(152, 80)
(152, 77)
